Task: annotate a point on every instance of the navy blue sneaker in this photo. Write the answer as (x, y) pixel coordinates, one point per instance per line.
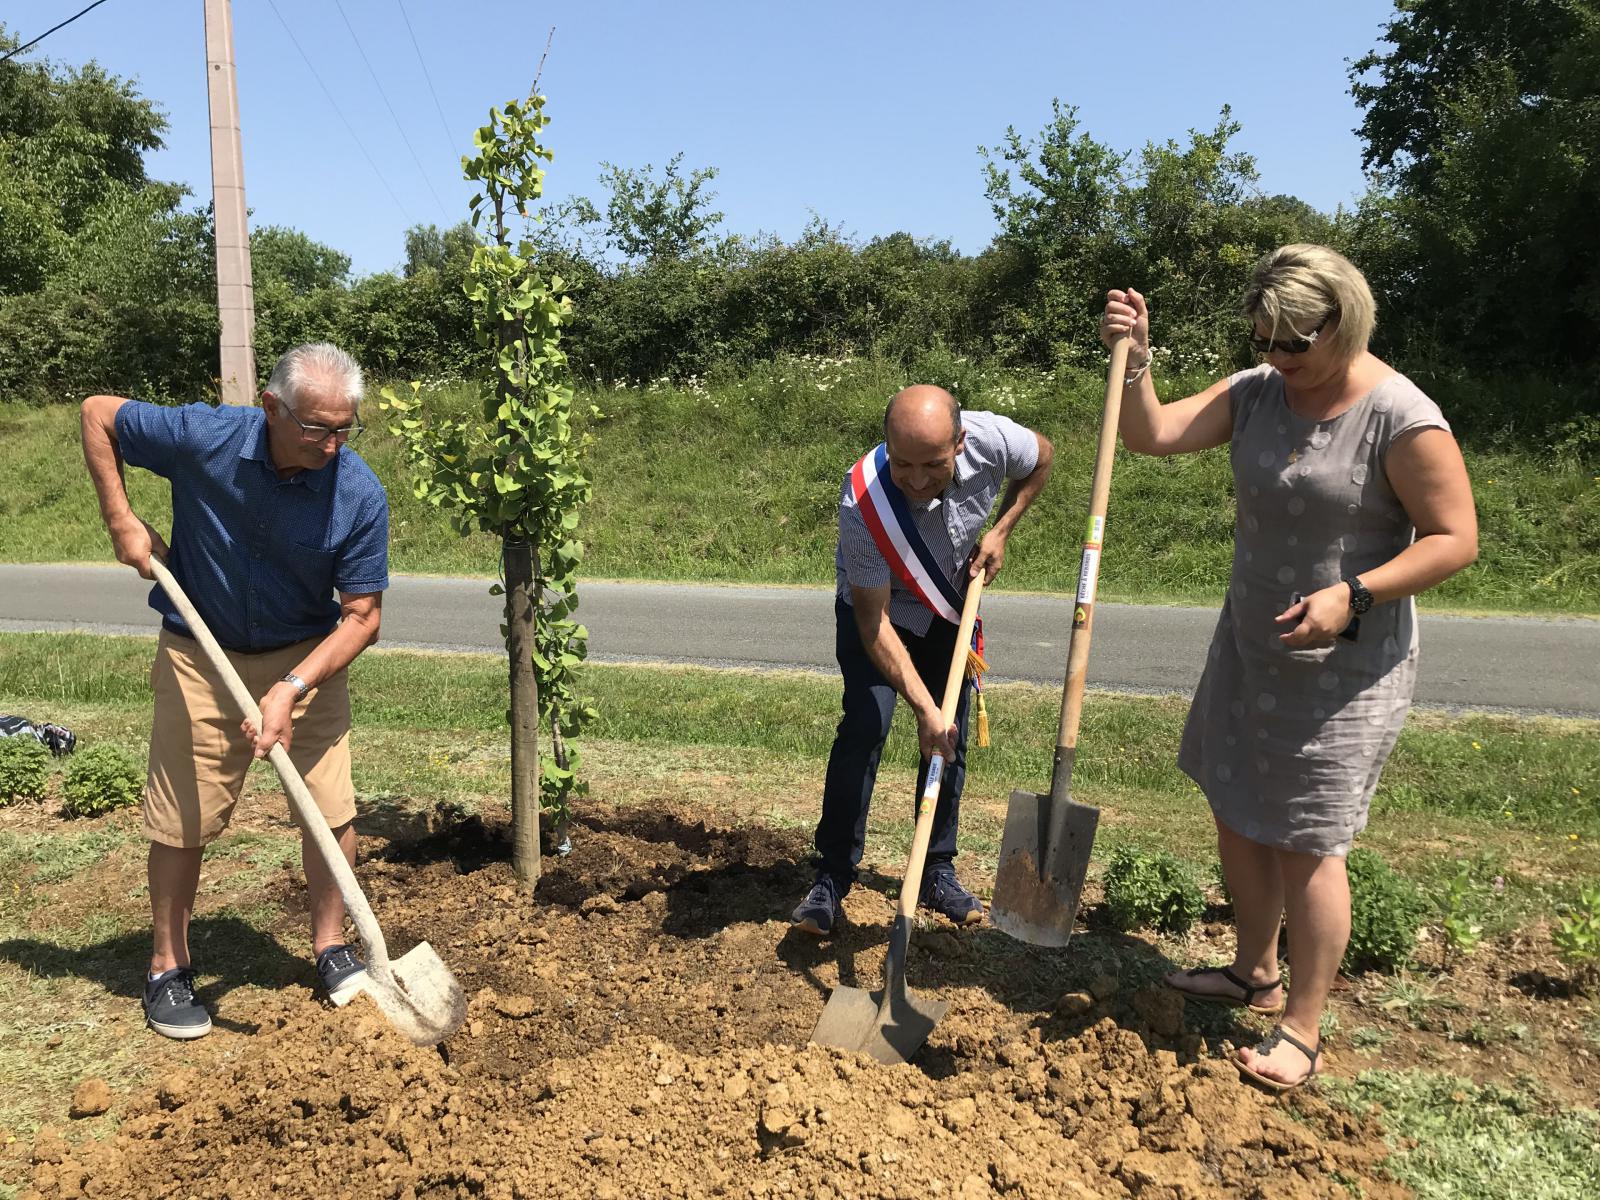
(943, 893)
(821, 907)
(341, 973)
(170, 1007)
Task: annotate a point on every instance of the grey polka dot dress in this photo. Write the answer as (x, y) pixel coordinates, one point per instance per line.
(1287, 745)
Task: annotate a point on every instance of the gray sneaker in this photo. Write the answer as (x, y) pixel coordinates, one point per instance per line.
(341, 973)
(170, 1007)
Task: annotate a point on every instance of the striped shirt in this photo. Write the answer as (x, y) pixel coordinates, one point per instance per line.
(260, 556)
(997, 449)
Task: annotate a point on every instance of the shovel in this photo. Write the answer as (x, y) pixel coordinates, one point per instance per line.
(891, 1024)
(416, 991)
(1044, 853)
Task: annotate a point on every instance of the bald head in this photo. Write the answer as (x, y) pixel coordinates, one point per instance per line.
(922, 413)
(922, 430)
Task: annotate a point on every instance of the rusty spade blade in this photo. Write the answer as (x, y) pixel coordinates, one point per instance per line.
(1044, 857)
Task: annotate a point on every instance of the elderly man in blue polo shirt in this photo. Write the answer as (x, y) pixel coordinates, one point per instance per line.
(944, 468)
(272, 514)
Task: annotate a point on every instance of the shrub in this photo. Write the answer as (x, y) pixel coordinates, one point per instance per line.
(24, 763)
(1385, 910)
(1577, 937)
(1151, 888)
(100, 780)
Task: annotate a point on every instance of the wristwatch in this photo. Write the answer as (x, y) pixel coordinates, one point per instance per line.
(302, 687)
(1360, 598)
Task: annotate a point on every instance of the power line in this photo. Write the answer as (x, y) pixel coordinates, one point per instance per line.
(392, 114)
(10, 54)
(339, 112)
(444, 126)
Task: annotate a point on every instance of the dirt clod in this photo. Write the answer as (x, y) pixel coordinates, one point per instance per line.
(91, 1098)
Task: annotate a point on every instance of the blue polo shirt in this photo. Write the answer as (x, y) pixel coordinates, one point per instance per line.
(261, 557)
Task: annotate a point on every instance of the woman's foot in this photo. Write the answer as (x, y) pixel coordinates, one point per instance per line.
(1224, 985)
(1282, 1060)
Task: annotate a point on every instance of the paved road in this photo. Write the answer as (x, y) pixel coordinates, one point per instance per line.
(1467, 662)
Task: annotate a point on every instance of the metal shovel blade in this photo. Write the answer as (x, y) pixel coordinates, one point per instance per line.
(418, 994)
(1044, 857)
(890, 1024)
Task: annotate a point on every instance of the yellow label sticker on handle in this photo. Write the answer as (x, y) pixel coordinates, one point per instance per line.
(930, 786)
(1095, 534)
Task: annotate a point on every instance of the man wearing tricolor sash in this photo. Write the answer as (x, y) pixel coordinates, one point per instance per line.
(910, 516)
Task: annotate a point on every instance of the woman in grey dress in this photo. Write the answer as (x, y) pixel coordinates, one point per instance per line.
(1352, 498)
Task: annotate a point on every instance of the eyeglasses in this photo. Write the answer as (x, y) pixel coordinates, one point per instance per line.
(1296, 345)
(321, 433)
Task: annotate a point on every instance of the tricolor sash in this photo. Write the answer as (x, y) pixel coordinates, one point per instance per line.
(884, 508)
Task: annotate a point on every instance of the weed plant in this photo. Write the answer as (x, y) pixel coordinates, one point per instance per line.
(1151, 889)
(1454, 1140)
(1458, 905)
(1385, 911)
(1577, 937)
(24, 768)
(101, 779)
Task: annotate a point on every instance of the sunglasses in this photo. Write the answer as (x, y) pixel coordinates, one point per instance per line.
(1295, 345)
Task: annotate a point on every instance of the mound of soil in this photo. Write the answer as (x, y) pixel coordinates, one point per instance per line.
(638, 1029)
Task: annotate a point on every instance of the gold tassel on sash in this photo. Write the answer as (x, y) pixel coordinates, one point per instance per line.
(976, 666)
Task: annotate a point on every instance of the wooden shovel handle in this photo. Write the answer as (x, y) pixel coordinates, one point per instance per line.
(1088, 576)
(911, 885)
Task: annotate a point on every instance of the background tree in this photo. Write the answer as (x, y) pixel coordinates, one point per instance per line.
(105, 281)
(1482, 123)
(652, 219)
(447, 251)
(1054, 199)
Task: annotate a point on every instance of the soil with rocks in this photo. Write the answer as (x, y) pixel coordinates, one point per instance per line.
(639, 1027)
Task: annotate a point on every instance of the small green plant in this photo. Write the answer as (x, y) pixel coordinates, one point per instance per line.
(1577, 937)
(24, 763)
(1421, 1002)
(101, 779)
(1462, 934)
(1370, 1037)
(1151, 888)
(1385, 910)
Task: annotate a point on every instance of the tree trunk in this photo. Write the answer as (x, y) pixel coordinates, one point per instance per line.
(521, 597)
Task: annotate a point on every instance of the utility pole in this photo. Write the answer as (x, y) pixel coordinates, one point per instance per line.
(236, 303)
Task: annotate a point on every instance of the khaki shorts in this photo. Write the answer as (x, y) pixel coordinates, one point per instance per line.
(199, 755)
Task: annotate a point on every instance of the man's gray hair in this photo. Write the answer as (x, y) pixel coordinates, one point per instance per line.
(320, 361)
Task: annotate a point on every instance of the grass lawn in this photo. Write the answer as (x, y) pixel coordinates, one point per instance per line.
(737, 480)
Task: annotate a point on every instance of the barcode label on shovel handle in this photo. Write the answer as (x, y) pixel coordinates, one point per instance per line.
(1088, 574)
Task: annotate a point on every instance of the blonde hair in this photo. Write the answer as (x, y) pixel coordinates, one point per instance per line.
(1301, 286)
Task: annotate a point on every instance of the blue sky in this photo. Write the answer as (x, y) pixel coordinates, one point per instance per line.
(867, 114)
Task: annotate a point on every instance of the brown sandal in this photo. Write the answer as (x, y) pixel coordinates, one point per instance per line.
(1270, 1043)
(1250, 991)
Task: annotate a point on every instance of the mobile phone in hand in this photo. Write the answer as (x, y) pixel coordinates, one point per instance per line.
(1349, 633)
